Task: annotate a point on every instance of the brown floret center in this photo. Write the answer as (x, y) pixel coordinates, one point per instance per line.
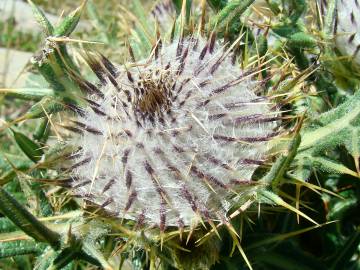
(154, 92)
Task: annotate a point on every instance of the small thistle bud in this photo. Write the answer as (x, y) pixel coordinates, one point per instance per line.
(347, 28)
(164, 13)
(174, 138)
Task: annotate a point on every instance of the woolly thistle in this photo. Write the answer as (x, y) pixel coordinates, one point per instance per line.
(174, 138)
(347, 28)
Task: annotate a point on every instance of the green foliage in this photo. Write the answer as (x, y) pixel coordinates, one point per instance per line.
(40, 17)
(26, 221)
(217, 4)
(12, 38)
(336, 127)
(301, 40)
(17, 248)
(28, 147)
(229, 13)
(311, 179)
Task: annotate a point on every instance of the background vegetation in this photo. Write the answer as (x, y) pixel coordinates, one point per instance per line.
(318, 176)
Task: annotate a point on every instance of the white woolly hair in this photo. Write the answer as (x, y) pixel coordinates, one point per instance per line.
(175, 137)
(347, 28)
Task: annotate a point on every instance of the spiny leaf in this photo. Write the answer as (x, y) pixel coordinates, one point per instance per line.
(236, 243)
(6, 225)
(276, 174)
(17, 248)
(57, 151)
(42, 131)
(47, 69)
(298, 7)
(31, 149)
(70, 22)
(66, 256)
(280, 202)
(44, 260)
(26, 221)
(233, 9)
(302, 40)
(342, 208)
(41, 19)
(330, 128)
(339, 126)
(28, 93)
(328, 165)
(43, 108)
(9, 164)
(90, 249)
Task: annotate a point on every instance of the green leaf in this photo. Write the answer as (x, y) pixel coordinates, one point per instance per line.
(90, 249)
(41, 19)
(28, 93)
(43, 108)
(331, 127)
(70, 22)
(66, 256)
(339, 126)
(285, 30)
(262, 45)
(6, 225)
(232, 10)
(42, 131)
(274, 6)
(298, 7)
(9, 164)
(275, 199)
(31, 149)
(279, 168)
(43, 262)
(343, 257)
(26, 221)
(341, 208)
(47, 69)
(17, 248)
(302, 40)
(87, 258)
(328, 165)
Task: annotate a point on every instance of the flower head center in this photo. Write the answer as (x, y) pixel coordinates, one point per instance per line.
(154, 92)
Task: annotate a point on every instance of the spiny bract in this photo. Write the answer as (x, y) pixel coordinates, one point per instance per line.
(347, 28)
(174, 137)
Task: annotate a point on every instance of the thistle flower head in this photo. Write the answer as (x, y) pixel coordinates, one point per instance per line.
(347, 28)
(173, 138)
